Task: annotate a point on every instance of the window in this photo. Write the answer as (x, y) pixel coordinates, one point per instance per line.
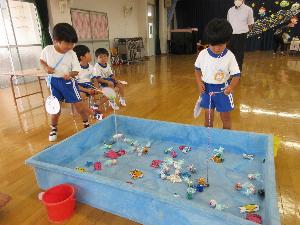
(20, 31)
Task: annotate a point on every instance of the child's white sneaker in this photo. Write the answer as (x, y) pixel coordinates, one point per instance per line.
(113, 105)
(122, 102)
(197, 108)
(53, 134)
(98, 116)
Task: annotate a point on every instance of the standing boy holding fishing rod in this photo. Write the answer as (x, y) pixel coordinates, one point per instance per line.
(217, 74)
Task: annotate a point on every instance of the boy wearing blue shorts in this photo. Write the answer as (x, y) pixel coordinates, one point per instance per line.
(62, 66)
(217, 74)
(104, 76)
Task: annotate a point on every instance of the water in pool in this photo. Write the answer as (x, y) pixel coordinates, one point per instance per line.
(222, 176)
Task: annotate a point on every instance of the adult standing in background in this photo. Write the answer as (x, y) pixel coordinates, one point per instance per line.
(240, 16)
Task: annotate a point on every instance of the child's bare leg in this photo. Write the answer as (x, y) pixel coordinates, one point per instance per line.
(121, 89)
(226, 119)
(81, 109)
(208, 123)
(102, 100)
(54, 119)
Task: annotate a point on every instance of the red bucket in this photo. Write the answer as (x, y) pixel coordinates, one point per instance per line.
(60, 202)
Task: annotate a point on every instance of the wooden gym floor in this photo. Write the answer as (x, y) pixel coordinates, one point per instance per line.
(267, 101)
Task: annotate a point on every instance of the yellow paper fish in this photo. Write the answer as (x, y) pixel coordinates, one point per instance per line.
(202, 181)
(136, 174)
(80, 169)
(250, 208)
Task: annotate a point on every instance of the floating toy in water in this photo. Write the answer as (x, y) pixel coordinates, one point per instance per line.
(107, 146)
(80, 169)
(189, 181)
(178, 164)
(254, 218)
(165, 167)
(238, 186)
(247, 188)
(110, 142)
(136, 174)
(192, 168)
(97, 166)
(148, 145)
(110, 162)
(212, 203)
(169, 161)
(202, 181)
(217, 159)
(112, 154)
(134, 143)
(248, 156)
(261, 193)
(218, 155)
(174, 178)
(176, 195)
(128, 140)
(121, 152)
(189, 193)
(118, 136)
(185, 149)
(185, 175)
(168, 150)
(250, 208)
(162, 175)
(199, 188)
(146, 150)
(155, 163)
(173, 154)
(88, 163)
(254, 176)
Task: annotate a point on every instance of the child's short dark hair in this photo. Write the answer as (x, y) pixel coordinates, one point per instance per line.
(80, 51)
(101, 51)
(218, 31)
(64, 32)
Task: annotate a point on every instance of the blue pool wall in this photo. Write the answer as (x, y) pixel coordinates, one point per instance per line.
(116, 197)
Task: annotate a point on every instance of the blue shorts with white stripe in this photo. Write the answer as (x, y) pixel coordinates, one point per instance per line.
(219, 101)
(65, 90)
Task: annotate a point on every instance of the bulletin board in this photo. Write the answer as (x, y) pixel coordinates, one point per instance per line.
(92, 28)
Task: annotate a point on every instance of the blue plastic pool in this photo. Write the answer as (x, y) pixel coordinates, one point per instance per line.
(151, 200)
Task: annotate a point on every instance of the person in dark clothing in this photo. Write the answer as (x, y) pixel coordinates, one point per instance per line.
(279, 36)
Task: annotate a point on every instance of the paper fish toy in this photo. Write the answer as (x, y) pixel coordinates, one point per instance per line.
(136, 174)
(250, 208)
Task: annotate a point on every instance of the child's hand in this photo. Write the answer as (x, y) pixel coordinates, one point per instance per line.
(49, 70)
(98, 91)
(228, 90)
(92, 92)
(67, 76)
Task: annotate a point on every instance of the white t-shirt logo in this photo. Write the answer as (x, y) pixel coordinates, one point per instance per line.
(219, 76)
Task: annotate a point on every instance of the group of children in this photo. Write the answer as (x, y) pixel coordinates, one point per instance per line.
(216, 70)
(71, 75)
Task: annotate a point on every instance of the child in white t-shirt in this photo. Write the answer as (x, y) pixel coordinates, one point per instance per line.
(62, 66)
(217, 74)
(104, 76)
(85, 75)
